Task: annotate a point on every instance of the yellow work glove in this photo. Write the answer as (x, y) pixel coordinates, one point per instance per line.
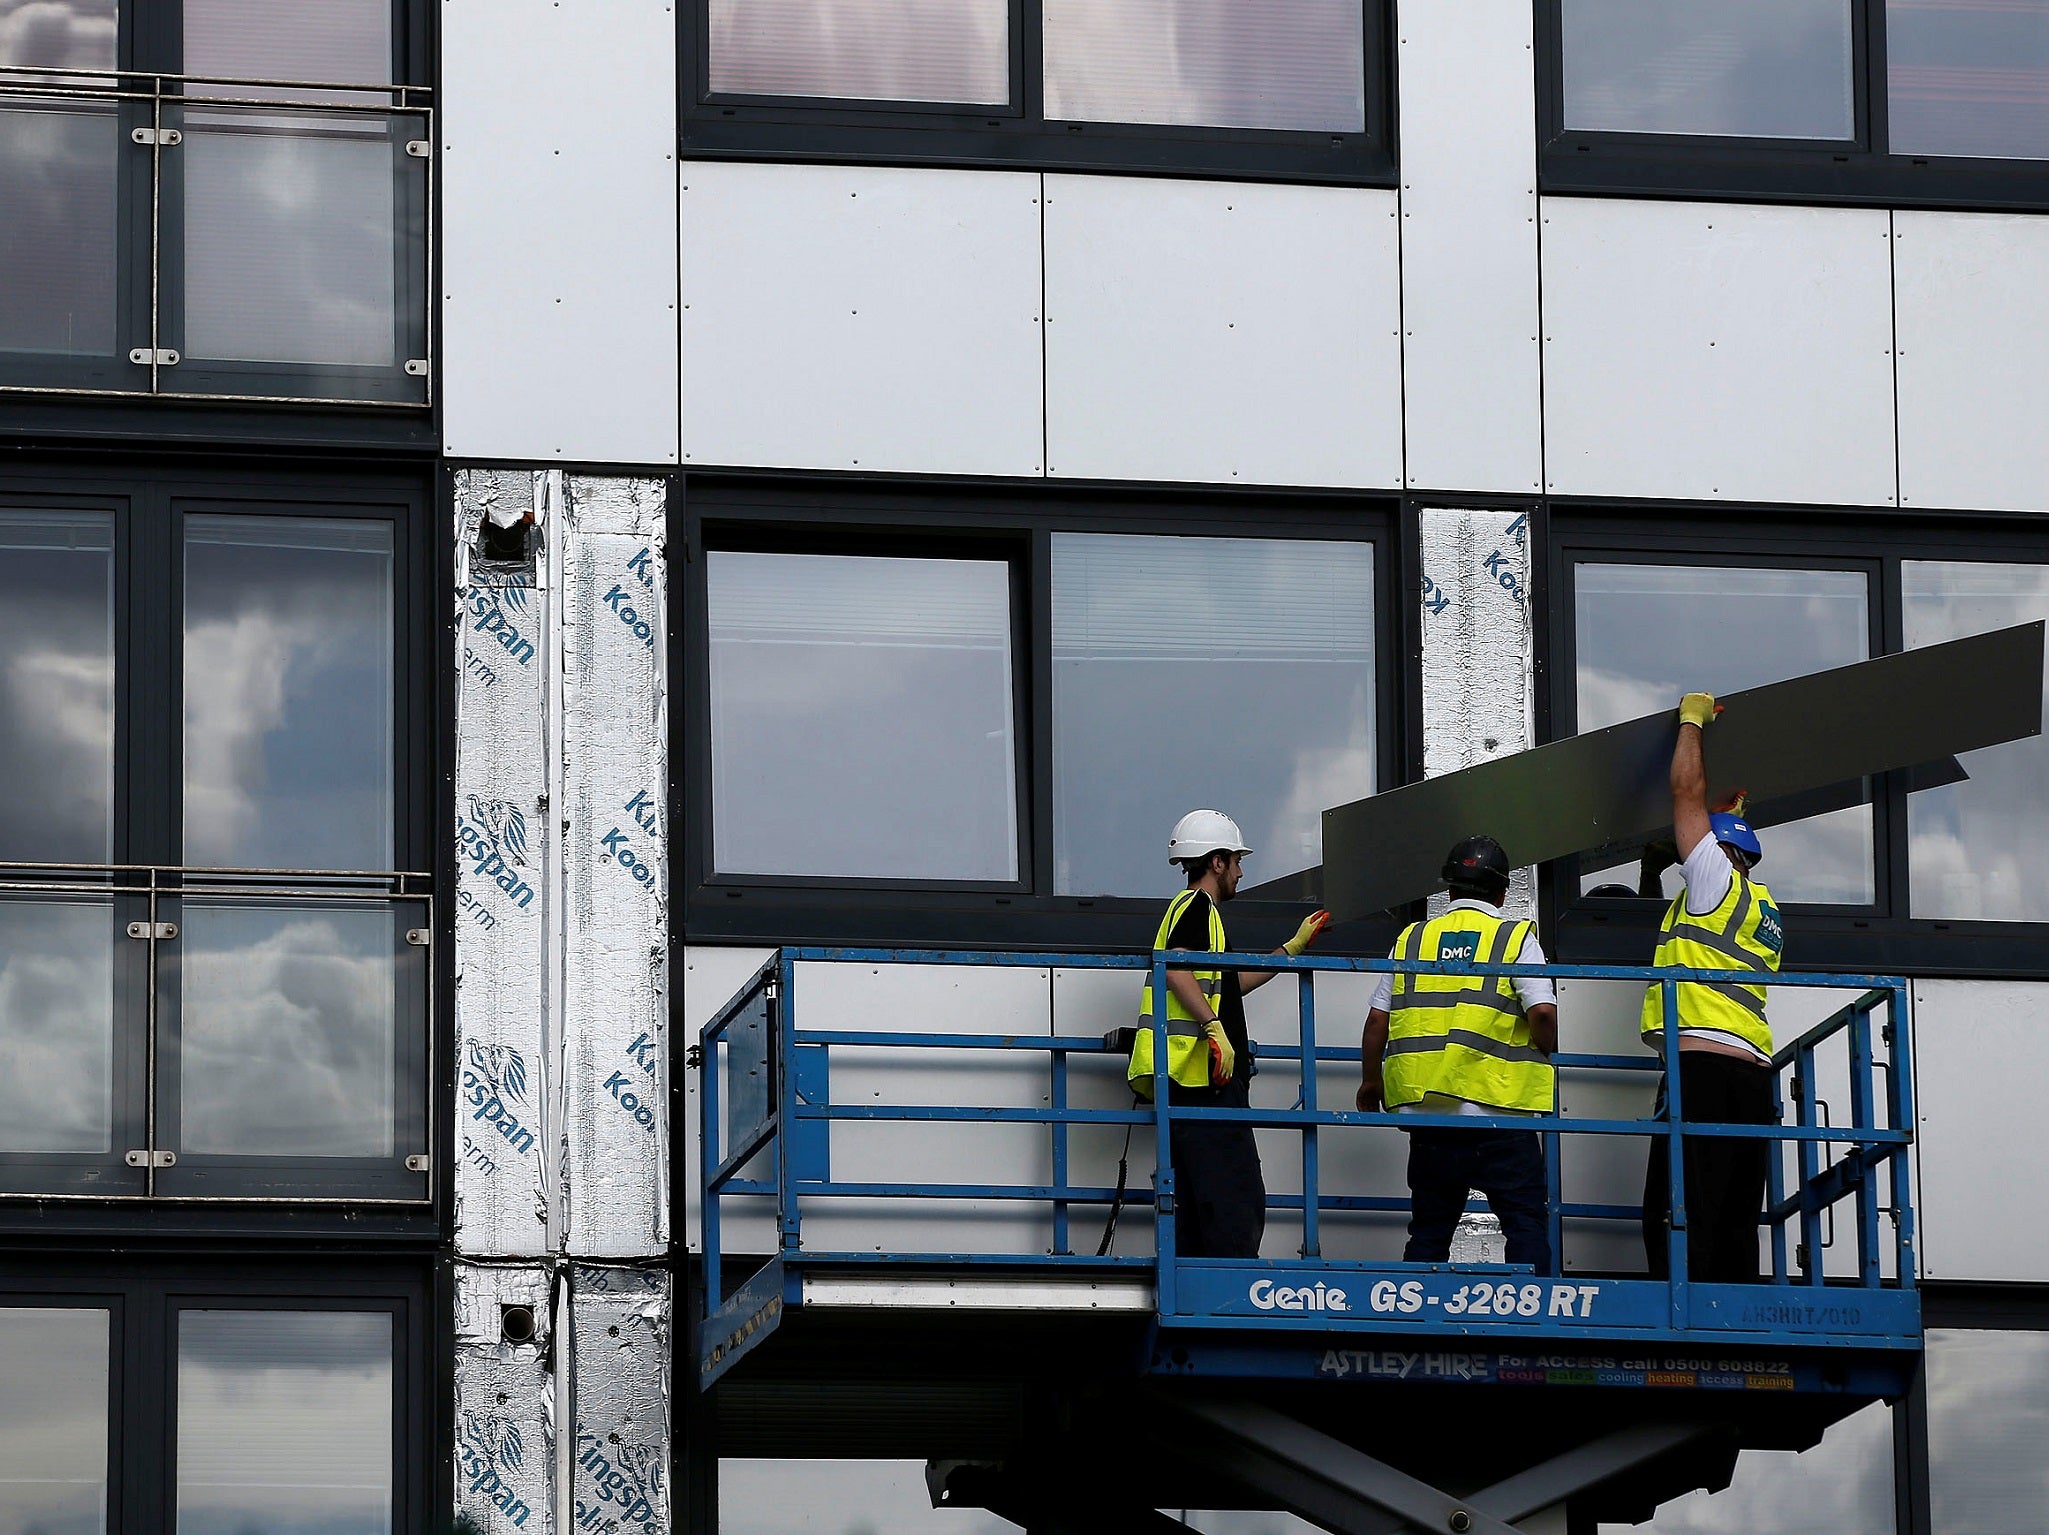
(1697, 709)
(1305, 935)
(1223, 1060)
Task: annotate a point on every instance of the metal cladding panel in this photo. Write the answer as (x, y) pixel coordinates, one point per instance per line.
(1972, 296)
(711, 979)
(620, 1327)
(557, 152)
(1471, 361)
(1479, 657)
(1222, 332)
(1980, 1059)
(872, 319)
(504, 1403)
(1717, 351)
(502, 882)
(614, 850)
(934, 999)
(1609, 789)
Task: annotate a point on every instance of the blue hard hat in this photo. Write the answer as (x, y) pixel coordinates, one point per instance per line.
(1736, 832)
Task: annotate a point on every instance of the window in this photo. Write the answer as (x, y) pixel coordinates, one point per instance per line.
(209, 1407)
(1940, 858)
(1939, 102)
(975, 718)
(1201, 86)
(176, 229)
(1988, 1414)
(207, 984)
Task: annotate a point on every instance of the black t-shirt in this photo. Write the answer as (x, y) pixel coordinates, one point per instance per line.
(1192, 932)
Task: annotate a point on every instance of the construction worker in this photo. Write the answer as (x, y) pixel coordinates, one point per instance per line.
(1220, 1196)
(1447, 1044)
(1722, 920)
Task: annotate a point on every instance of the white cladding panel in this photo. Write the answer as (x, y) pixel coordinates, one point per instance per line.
(871, 319)
(1471, 361)
(557, 150)
(1981, 1057)
(1717, 351)
(1221, 332)
(1973, 309)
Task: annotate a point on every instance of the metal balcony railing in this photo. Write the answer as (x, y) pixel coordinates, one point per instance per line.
(215, 1034)
(767, 1107)
(213, 238)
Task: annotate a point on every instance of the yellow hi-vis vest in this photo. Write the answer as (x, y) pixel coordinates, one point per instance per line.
(1187, 1048)
(1464, 1036)
(1743, 933)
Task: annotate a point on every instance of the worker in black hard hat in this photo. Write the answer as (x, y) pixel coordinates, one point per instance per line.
(1468, 1045)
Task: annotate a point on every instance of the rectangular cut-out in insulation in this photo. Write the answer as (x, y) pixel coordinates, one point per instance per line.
(502, 880)
(1478, 655)
(614, 851)
(504, 1402)
(620, 1321)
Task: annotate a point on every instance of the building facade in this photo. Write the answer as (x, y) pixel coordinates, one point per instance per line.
(512, 512)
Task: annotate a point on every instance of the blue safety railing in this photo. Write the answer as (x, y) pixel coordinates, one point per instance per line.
(766, 1109)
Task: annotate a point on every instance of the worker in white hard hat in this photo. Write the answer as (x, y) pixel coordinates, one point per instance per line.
(1220, 1204)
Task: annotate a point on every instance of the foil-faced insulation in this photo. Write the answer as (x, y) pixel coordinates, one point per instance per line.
(1479, 663)
(614, 850)
(504, 1400)
(502, 880)
(619, 1400)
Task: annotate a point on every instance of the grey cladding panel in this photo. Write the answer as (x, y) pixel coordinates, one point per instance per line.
(1609, 787)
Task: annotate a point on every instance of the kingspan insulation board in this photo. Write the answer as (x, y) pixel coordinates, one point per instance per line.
(619, 1400)
(502, 881)
(504, 1402)
(614, 850)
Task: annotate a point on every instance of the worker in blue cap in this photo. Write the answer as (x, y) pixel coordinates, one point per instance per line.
(1723, 919)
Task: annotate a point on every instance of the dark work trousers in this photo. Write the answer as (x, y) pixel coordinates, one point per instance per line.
(1724, 1177)
(1446, 1165)
(1220, 1194)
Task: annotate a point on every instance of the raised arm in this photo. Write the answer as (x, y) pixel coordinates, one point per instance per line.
(1689, 773)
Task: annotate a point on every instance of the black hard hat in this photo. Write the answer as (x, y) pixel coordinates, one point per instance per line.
(1478, 863)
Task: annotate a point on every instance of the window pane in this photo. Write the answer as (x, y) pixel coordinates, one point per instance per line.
(839, 1497)
(1750, 68)
(865, 50)
(1968, 77)
(291, 225)
(861, 718)
(1646, 634)
(284, 1423)
(287, 1030)
(58, 182)
(288, 693)
(1988, 1418)
(56, 1026)
(57, 686)
(1207, 63)
(1268, 715)
(1843, 1484)
(1976, 848)
(58, 34)
(53, 1421)
(343, 42)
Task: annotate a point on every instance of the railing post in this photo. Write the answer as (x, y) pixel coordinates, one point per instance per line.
(1861, 1116)
(1163, 1149)
(1306, 1010)
(1057, 1095)
(1899, 1087)
(781, 1041)
(1675, 1158)
(1775, 1183)
(1810, 1214)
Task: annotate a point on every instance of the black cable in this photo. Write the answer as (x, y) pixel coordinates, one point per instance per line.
(1123, 1174)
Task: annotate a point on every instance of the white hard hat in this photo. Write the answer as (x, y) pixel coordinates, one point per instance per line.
(1202, 832)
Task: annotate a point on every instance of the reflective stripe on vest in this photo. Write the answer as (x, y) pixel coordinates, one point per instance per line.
(1736, 935)
(1463, 1036)
(1187, 1050)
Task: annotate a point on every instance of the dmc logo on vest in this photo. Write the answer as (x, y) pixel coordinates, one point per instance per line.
(1458, 946)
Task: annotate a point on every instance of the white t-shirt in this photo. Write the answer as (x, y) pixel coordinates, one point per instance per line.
(1530, 990)
(1707, 872)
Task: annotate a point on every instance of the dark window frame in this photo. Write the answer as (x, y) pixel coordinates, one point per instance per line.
(1883, 938)
(147, 502)
(1861, 171)
(807, 514)
(142, 1359)
(1018, 135)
